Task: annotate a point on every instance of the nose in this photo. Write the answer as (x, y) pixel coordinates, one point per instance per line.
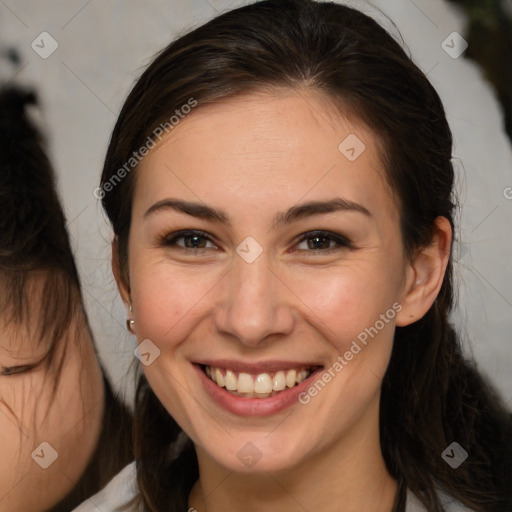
(254, 304)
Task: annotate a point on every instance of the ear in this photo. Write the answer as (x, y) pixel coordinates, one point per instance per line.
(122, 286)
(425, 274)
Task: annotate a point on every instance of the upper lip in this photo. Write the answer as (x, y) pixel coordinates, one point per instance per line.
(257, 367)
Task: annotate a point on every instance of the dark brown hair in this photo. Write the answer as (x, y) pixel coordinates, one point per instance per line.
(39, 278)
(431, 395)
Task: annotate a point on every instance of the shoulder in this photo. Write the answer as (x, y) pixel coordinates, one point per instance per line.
(121, 489)
(450, 504)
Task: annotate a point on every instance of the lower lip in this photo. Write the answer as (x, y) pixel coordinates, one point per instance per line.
(253, 406)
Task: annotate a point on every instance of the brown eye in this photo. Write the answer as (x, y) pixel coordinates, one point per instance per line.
(324, 241)
(319, 242)
(195, 240)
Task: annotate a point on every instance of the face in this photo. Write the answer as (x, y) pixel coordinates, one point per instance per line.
(264, 255)
(35, 476)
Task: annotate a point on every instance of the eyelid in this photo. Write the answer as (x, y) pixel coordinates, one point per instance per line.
(8, 371)
(15, 370)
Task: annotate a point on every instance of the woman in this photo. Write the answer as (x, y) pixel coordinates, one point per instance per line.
(60, 423)
(279, 182)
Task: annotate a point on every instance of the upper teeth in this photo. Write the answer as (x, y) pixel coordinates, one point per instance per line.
(261, 383)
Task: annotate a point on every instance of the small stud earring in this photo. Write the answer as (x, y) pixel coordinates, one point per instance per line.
(129, 325)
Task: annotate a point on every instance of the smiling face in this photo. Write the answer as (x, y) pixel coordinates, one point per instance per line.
(257, 248)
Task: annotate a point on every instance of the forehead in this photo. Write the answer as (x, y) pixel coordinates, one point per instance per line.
(264, 148)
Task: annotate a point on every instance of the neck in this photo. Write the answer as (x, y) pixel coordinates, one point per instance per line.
(349, 475)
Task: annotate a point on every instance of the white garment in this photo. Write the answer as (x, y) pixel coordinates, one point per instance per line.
(120, 490)
(123, 487)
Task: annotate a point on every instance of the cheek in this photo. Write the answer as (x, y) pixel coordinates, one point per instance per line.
(30, 415)
(10, 437)
(341, 301)
(167, 298)
(345, 302)
(29, 486)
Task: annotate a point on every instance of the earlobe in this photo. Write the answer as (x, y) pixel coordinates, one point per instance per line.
(425, 274)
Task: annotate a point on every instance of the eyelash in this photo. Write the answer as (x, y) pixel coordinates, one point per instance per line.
(16, 370)
(343, 242)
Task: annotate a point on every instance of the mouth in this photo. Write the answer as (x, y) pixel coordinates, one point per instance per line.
(257, 384)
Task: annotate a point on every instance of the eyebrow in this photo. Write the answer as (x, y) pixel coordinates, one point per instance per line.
(293, 214)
